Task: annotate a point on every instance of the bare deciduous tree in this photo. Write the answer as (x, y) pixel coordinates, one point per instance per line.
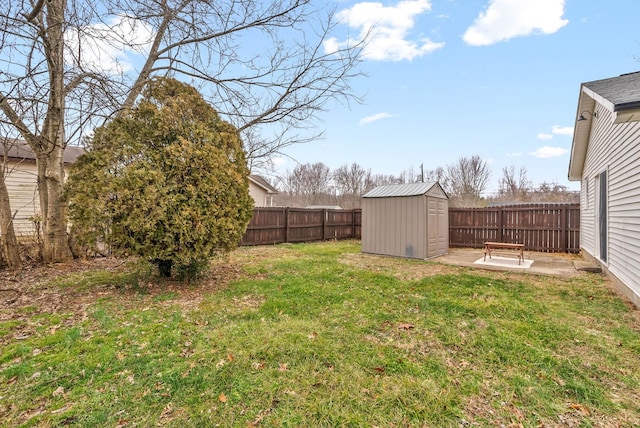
(512, 187)
(351, 182)
(307, 184)
(351, 179)
(466, 179)
(383, 180)
(67, 66)
(438, 174)
(409, 175)
(554, 192)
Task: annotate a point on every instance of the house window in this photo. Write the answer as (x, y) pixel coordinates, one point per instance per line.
(585, 193)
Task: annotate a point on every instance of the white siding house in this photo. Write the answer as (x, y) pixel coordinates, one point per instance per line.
(21, 180)
(261, 191)
(605, 158)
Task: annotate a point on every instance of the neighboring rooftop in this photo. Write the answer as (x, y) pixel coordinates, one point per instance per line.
(19, 149)
(258, 180)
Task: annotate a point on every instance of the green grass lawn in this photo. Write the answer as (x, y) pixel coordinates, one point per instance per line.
(321, 335)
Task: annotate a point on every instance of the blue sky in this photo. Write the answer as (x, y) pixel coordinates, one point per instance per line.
(453, 78)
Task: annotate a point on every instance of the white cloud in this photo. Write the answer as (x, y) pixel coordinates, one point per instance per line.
(108, 47)
(562, 130)
(548, 152)
(555, 130)
(506, 19)
(389, 27)
(374, 118)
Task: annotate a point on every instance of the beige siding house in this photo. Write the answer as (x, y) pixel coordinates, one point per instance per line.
(21, 184)
(406, 220)
(261, 191)
(605, 158)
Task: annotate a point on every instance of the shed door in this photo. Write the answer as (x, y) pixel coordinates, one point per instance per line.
(437, 227)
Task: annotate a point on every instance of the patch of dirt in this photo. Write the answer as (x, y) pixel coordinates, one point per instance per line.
(408, 270)
(30, 292)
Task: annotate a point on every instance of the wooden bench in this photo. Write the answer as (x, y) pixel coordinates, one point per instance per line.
(504, 248)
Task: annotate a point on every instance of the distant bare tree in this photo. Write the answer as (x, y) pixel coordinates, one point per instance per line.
(409, 175)
(383, 180)
(514, 188)
(554, 192)
(307, 184)
(351, 182)
(438, 174)
(465, 181)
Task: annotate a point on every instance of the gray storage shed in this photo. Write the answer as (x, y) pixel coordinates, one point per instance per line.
(406, 220)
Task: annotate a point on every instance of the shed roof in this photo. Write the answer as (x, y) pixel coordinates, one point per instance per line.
(394, 190)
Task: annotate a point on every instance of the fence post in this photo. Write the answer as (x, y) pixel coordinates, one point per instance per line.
(563, 229)
(325, 214)
(353, 223)
(286, 225)
(501, 225)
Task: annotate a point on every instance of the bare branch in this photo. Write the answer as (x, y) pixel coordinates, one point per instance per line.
(35, 12)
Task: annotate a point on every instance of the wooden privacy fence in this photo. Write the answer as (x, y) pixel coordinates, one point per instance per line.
(552, 228)
(281, 225)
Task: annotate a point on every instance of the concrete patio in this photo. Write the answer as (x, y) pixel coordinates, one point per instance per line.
(554, 264)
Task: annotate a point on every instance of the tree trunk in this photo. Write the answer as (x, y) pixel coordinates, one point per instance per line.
(54, 219)
(56, 244)
(164, 268)
(7, 232)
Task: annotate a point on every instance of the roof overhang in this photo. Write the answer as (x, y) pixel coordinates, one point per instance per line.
(582, 131)
(587, 101)
(258, 181)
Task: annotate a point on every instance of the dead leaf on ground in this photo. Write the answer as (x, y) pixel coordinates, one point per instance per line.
(258, 420)
(62, 409)
(166, 411)
(405, 326)
(222, 397)
(579, 407)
